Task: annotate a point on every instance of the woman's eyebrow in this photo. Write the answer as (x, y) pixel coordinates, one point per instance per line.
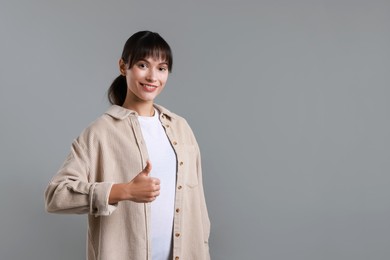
(143, 60)
(161, 63)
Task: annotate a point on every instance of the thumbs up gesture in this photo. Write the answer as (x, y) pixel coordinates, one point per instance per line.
(142, 188)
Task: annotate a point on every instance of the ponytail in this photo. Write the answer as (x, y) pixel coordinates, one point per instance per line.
(117, 92)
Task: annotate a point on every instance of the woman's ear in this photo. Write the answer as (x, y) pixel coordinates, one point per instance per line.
(122, 67)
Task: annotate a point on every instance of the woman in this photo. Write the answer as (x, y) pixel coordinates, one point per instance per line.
(136, 170)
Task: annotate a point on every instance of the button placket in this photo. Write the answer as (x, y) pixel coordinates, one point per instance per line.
(179, 189)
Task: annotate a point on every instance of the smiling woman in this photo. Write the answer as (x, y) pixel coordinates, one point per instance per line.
(136, 211)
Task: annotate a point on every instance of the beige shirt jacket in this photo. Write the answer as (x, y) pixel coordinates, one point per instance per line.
(112, 150)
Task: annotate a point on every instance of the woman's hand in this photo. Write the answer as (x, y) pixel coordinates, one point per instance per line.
(142, 188)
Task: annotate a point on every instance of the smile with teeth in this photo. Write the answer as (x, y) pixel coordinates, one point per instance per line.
(148, 87)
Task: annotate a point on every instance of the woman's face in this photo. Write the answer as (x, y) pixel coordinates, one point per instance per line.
(146, 79)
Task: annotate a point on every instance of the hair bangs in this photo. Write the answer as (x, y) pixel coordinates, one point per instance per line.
(149, 45)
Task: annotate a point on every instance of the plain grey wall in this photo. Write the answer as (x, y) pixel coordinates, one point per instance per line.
(289, 101)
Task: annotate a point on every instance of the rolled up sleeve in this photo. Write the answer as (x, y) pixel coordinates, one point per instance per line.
(71, 192)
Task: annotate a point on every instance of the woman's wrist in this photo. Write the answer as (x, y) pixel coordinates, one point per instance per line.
(117, 193)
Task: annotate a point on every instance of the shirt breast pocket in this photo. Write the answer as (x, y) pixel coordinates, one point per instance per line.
(190, 166)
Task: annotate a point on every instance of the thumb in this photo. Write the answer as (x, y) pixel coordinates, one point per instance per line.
(148, 168)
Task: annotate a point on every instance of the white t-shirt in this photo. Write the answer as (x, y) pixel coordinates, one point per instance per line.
(163, 159)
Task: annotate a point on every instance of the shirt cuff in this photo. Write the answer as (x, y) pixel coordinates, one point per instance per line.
(99, 195)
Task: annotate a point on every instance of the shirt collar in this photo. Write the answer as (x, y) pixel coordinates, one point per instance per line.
(121, 113)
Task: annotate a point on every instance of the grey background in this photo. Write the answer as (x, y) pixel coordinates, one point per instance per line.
(289, 101)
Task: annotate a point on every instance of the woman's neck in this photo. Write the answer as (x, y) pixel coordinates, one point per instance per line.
(144, 108)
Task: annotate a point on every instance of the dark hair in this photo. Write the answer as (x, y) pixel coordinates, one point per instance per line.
(139, 46)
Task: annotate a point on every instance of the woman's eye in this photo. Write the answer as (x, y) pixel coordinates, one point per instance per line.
(142, 65)
(163, 69)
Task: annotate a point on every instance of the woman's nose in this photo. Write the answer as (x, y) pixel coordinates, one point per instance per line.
(151, 76)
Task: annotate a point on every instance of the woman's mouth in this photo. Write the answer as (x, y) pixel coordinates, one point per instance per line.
(148, 88)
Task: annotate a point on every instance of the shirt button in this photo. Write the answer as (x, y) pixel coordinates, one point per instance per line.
(177, 258)
(174, 143)
(177, 235)
(179, 187)
(177, 210)
(167, 126)
(181, 163)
